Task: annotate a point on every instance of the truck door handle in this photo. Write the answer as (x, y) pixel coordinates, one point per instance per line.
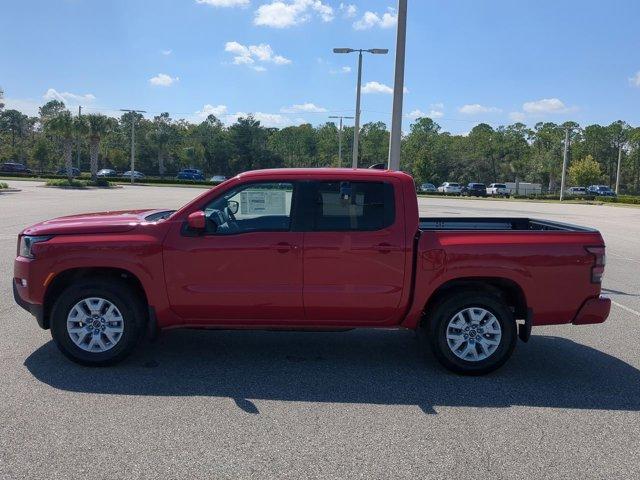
(385, 248)
(284, 247)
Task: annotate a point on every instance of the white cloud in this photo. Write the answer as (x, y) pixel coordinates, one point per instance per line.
(372, 19)
(348, 10)
(284, 14)
(545, 105)
(217, 110)
(249, 54)
(166, 53)
(343, 70)
(68, 97)
(517, 116)
(268, 119)
(635, 80)
(303, 107)
(377, 87)
(433, 113)
(476, 109)
(224, 3)
(163, 80)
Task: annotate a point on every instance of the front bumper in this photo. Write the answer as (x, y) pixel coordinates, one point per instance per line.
(33, 308)
(595, 310)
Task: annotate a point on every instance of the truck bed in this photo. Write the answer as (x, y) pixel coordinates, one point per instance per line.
(497, 224)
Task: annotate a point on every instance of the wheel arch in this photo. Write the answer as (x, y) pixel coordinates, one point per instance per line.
(66, 277)
(504, 288)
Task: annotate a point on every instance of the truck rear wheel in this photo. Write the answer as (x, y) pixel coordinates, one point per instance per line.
(472, 333)
(97, 322)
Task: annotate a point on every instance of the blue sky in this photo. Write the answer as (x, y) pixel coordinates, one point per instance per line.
(468, 61)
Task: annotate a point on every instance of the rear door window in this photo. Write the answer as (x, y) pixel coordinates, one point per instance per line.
(353, 206)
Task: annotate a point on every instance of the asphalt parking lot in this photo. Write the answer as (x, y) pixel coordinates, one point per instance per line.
(360, 404)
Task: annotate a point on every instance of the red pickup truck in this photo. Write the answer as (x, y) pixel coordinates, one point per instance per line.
(311, 249)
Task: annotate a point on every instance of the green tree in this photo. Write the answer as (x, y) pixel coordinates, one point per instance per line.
(41, 153)
(585, 171)
(51, 109)
(214, 138)
(374, 144)
(98, 126)
(63, 126)
(162, 135)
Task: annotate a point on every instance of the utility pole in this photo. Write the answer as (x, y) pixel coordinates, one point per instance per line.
(395, 141)
(565, 159)
(78, 139)
(133, 139)
(340, 137)
(619, 165)
(356, 132)
(356, 128)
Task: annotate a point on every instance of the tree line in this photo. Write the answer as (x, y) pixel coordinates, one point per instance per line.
(48, 141)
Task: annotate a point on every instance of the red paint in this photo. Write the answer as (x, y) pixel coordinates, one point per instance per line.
(595, 310)
(313, 279)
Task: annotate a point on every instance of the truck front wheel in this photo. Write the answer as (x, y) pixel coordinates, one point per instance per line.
(97, 322)
(471, 333)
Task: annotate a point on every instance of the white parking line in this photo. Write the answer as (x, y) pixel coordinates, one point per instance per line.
(630, 310)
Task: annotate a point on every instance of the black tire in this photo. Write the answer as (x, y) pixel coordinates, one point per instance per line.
(442, 313)
(119, 294)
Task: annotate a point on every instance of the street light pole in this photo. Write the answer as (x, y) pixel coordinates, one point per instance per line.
(356, 132)
(340, 137)
(395, 141)
(133, 139)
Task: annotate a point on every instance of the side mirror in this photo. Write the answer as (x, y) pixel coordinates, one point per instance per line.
(197, 220)
(233, 206)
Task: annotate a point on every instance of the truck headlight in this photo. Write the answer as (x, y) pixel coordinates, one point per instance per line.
(27, 242)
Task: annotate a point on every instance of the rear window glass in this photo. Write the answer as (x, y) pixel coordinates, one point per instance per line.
(359, 206)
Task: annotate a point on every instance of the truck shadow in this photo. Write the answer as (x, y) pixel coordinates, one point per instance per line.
(366, 366)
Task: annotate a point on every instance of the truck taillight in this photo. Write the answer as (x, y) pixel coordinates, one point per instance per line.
(600, 260)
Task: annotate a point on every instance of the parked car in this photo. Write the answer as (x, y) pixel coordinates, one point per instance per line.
(218, 179)
(577, 192)
(475, 190)
(75, 172)
(427, 188)
(190, 174)
(498, 190)
(12, 167)
(136, 174)
(450, 188)
(107, 172)
(234, 257)
(601, 191)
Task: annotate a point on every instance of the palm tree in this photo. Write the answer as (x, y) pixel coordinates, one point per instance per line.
(162, 136)
(62, 125)
(98, 126)
(67, 127)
